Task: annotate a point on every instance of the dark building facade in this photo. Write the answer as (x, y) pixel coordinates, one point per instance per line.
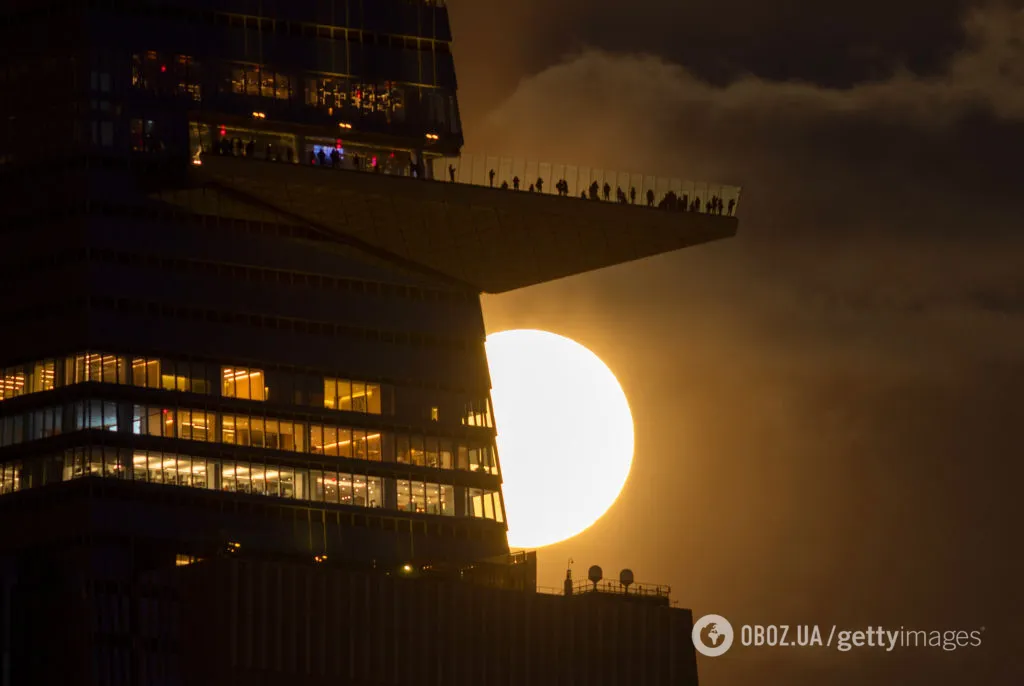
(245, 423)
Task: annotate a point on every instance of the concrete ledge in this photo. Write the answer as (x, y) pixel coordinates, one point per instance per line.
(497, 240)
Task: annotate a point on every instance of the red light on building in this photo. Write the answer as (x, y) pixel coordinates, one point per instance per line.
(374, 160)
(392, 155)
(337, 144)
(163, 68)
(223, 131)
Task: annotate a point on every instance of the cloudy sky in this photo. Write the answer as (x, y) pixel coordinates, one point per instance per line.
(830, 407)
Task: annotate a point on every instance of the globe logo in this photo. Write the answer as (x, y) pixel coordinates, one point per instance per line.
(712, 635)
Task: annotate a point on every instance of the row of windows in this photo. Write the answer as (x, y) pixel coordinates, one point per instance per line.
(282, 324)
(279, 481)
(53, 421)
(317, 439)
(252, 431)
(262, 275)
(192, 377)
(182, 75)
(247, 383)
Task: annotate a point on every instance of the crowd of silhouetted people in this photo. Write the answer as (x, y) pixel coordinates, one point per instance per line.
(670, 201)
(331, 158)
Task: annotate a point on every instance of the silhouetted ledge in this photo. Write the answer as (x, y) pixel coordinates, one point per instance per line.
(495, 240)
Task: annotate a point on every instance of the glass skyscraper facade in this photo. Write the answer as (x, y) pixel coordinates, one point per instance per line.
(243, 358)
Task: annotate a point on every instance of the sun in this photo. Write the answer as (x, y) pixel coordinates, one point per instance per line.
(565, 434)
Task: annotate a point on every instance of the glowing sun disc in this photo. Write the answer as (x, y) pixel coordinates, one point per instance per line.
(565, 434)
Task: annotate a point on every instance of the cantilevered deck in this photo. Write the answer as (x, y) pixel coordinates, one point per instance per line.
(491, 239)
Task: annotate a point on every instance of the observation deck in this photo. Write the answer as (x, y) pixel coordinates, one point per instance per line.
(463, 229)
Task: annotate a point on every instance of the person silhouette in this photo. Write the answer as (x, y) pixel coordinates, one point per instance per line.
(451, 172)
(632, 195)
(531, 187)
(732, 205)
(250, 148)
(321, 158)
(540, 185)
(607, 191)
(490, 176)
(593, 191)
(504, 185)
(515, 182)
(650, 197)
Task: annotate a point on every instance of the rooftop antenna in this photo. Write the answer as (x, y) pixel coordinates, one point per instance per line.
(567, 585)
(626, 578)
(595, 575)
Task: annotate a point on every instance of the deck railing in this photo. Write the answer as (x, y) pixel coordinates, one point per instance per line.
(594, 183)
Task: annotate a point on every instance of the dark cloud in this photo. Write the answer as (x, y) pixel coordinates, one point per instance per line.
(828, 406)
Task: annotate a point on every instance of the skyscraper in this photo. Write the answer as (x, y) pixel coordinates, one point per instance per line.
(245, 426)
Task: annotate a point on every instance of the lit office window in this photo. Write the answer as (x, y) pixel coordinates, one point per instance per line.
(13, 382)
(484, 504)
(98, 367)
(196, 425)
(352, 396)
(367, 491)
(482, 460)
(426, 498)
(145, 372)
(175, 377)
(446, 461)
(10, 477)
(256, 81)
(478, 413)
(44, 376)
(373, 447)
(243, 382)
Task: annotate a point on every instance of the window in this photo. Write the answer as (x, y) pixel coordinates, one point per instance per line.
(484, 504)
(427, 498)
(352, 396)
(434, 414)
(13, 382)
(482, 460)
(403, 452)
(242, 382)
(48, 422)
(34, 377)
(256, 81)
(95, 414)
(196, 425)
(167, 74)
(145, 373)
(98, 367)
(478, 413)
(257, 478)
(10, 477)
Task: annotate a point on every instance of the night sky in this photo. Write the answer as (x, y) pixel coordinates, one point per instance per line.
(829, 407)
